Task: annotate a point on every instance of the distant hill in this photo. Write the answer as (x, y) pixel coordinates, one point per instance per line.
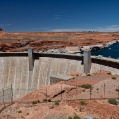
(21, 41)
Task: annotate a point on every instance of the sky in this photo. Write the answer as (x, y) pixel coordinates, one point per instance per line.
(59, 15)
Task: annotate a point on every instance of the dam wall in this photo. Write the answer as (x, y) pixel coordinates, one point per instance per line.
(14, 69)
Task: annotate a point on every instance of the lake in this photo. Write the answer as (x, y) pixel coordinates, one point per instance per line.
(111, 51)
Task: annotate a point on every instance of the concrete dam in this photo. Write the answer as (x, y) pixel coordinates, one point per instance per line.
(29, 71)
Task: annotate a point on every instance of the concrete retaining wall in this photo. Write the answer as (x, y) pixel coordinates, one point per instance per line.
(111, 65)
(14, 69)
(98, 67)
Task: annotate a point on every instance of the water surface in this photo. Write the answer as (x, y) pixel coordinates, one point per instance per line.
(111, 51)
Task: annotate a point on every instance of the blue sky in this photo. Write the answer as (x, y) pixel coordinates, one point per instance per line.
(59, 15)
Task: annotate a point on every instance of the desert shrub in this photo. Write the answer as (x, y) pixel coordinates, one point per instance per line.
(38, 101)
(114, 78)
(19, 111)
(109, 73)
(70, 117)
(34, 102)
(83, 102)
(86, 86)
(80, 108)
(56, 102)
(97, 89)
(77, 74)
(44, 100)
(117, 90)
(88, 74)
(112, 101)
(83, 90)
(49, 100)
(74, 117)
(51, 107)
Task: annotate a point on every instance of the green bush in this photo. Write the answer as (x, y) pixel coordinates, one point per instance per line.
(86, 86)
(112, 101)
(56, 102)
(83, 102)
(70, 117)
(19, 111)
(81, 108)
(74, 117)
(34, 102)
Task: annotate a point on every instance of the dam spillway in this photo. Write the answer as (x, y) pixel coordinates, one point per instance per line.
(14, 69)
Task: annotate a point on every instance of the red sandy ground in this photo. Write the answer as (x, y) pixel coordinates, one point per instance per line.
(99, 109)
(43, 41)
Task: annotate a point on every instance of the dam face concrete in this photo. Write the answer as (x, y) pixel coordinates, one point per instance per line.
(14, 69)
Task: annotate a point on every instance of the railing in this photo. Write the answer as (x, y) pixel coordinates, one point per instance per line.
(77, 93)
(93, 93)
(6, 95)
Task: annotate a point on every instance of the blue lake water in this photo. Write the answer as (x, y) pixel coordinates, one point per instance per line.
(111, 51)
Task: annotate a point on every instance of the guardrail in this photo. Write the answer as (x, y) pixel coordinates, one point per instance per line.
(6, 95)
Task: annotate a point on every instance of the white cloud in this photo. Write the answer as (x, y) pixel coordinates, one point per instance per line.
(8, 24)
(112, 28)
(57, 17)
(40, 28)
(34, 28)
(5, 25)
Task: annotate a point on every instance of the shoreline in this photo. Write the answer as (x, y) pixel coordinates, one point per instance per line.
(98, 46)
